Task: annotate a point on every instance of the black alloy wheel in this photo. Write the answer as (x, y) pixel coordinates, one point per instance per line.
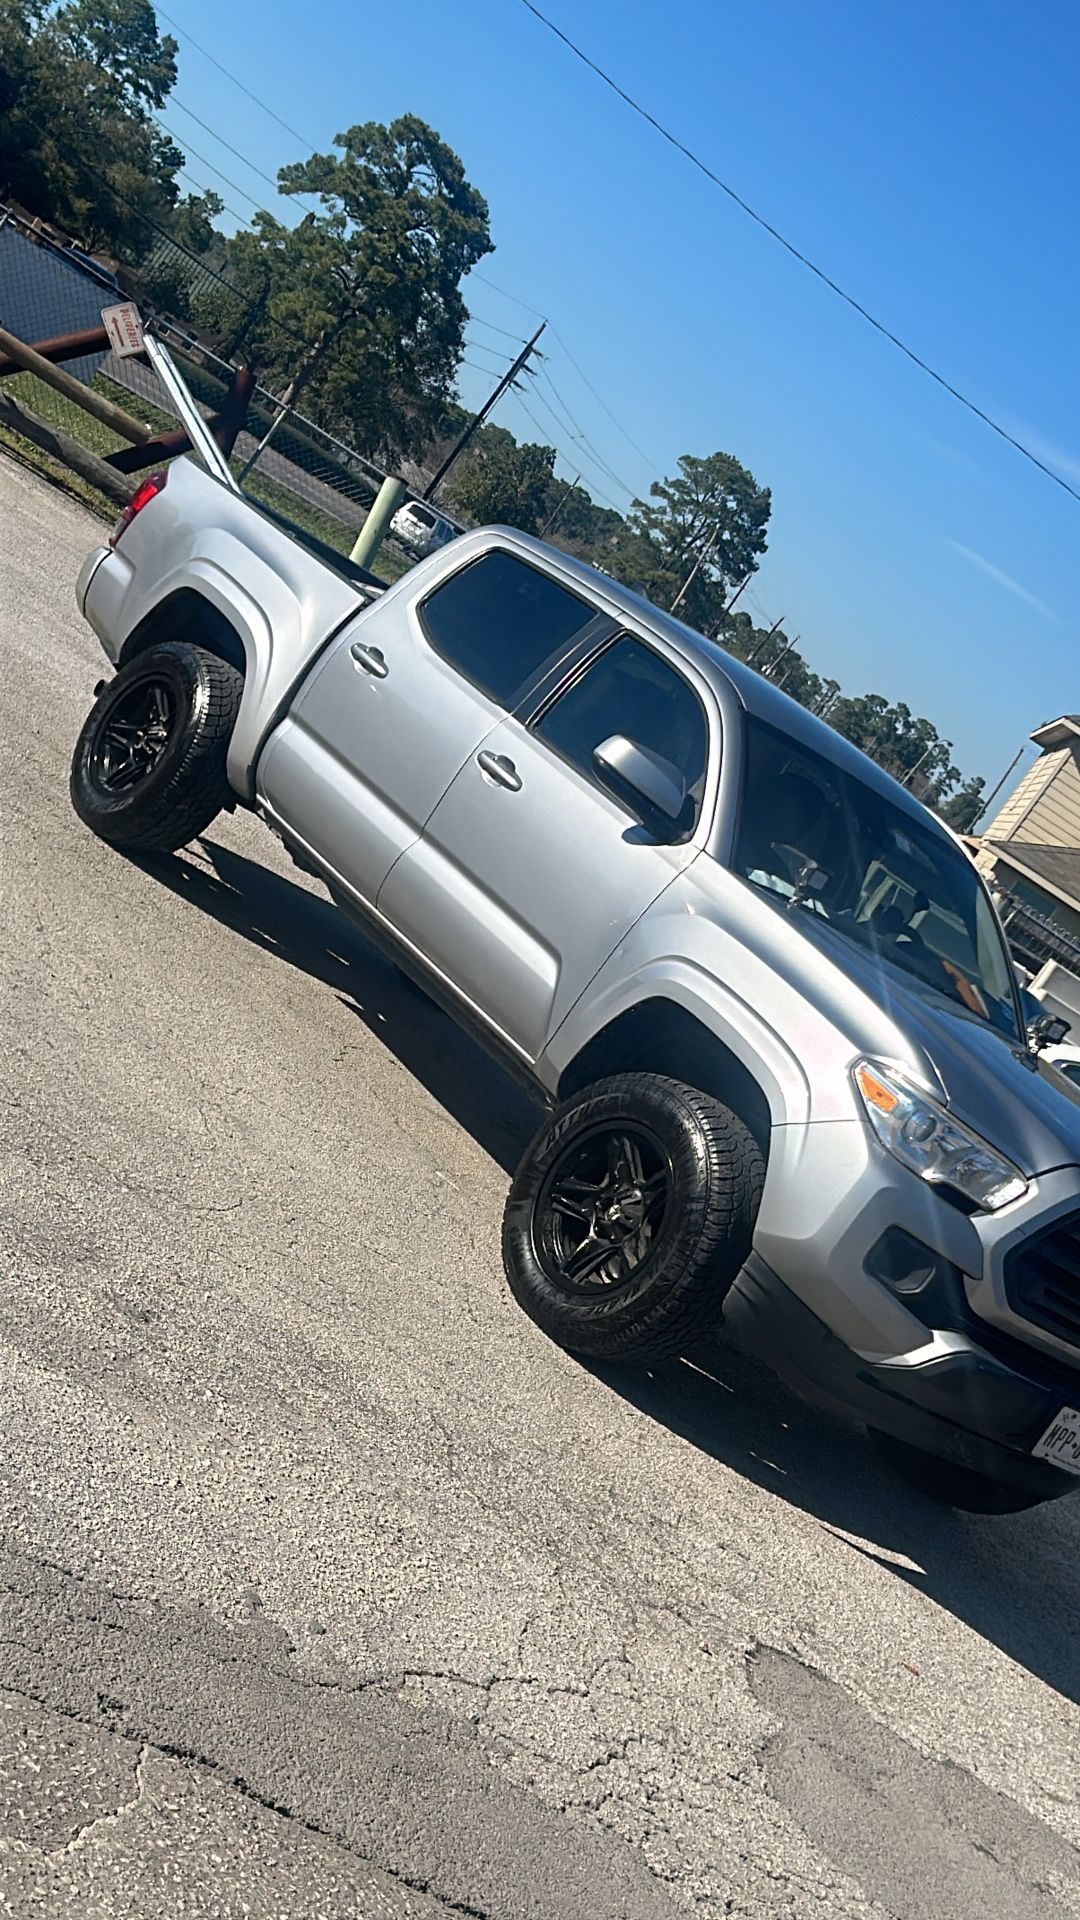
(150, 767)
(602, 1209)
(630, 1217)
(133, 737)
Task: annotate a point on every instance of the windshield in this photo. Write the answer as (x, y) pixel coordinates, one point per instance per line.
(875, 874)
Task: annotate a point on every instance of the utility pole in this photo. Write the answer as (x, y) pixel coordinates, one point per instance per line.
(910, 775)
(775, 628)
(696, 568)
(460, 445)
(767, 672)
(991, 797)
(728, 604)
(552, 517)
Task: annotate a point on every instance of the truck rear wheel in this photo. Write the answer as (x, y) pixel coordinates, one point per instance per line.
(148, 772)
(630, 1217)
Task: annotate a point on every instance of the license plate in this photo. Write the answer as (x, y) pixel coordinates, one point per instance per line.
(1061, 1441)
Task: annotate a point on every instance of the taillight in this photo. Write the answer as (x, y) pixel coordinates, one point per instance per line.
(146, 491)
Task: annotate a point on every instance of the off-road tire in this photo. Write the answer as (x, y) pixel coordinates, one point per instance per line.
(186, 786)
(715, 1172)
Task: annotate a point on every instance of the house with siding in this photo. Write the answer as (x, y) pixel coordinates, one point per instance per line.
(1030, 850)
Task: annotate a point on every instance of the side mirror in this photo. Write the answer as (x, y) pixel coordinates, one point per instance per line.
(655, 785)
(1048, 1032)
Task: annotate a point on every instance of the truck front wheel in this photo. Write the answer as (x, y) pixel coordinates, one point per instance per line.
(630, 1217)
(148, 772)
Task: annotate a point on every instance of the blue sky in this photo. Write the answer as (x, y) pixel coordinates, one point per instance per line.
(927, 157)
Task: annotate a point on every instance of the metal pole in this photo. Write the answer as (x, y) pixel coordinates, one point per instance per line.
(991, 797)
(460, 445)
(263, 443)
(766, 672)
(73, 390)
(371, 535)
(552, 517)
(914, 770)
(696, 568)
(776, 625)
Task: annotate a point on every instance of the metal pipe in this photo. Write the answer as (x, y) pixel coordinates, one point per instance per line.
(30, 361)
(63, 346)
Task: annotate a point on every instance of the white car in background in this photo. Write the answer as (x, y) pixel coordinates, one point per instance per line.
(419, 528)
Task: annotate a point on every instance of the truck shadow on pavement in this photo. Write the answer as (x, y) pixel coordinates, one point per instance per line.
(306, 931)
(1012, 1579)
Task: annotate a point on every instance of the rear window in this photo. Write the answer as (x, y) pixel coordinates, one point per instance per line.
(423, 514)
(499, 621)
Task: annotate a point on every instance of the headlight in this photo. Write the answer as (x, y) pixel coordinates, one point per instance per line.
(925, 1137)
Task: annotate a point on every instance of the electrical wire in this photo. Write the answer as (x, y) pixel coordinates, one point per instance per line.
(579, 441)
(803, 259)
(175, 101)
(201, 187)
(312, 149)
(481, 322)
(563, 455)
(577, 432)
(230, 75)
(201, 157)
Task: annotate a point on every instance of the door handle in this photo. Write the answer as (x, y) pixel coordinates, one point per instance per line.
(500, 769)
(370, 658)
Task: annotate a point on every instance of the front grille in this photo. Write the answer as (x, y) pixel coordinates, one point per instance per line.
(1042, 1279)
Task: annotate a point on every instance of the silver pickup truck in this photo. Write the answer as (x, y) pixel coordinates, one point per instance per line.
(763, 992)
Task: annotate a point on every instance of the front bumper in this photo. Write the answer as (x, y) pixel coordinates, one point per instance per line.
(938, 1358)
(950, 1397)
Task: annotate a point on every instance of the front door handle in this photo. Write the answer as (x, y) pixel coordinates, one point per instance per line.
(500, 769)
(370, 658)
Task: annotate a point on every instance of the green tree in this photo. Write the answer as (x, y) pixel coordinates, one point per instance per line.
(908, 747)
(706, 525)
(505, 484)
(358, 308)
(78, 147)
(963, 809)
(192, 222)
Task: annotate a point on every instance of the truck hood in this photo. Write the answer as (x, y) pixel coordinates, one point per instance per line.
(1013, 1098)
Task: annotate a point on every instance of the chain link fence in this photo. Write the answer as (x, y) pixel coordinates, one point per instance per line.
(49, 288)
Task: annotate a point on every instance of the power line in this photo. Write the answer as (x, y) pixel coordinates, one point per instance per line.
(577, 432)
(803, 259)
(201, 187)
(653, 465)
(483, 347)
(490, 324)
(505, 294)
(563, 455)
(175, 101)
(580, 441)
(230, 75)
(476, 274)
(201, 157)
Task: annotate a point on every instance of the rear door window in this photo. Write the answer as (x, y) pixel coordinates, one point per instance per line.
(499, 621)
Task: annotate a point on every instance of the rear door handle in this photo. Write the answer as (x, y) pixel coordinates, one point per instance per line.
(500, 769)
(370, 658)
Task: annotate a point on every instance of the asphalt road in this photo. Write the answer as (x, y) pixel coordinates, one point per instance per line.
(329, 1588)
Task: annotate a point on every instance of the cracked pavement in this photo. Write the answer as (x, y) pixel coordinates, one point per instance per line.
(328, 1587)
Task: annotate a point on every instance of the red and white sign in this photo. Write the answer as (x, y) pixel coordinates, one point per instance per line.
(123, 324)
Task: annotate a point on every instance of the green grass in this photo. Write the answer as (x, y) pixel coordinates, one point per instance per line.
(282, 499)
(71, 419)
